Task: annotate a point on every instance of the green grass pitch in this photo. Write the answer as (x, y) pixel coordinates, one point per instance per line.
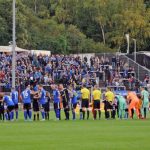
(75, 135)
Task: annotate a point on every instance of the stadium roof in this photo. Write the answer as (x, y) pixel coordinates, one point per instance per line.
(9, 49)
(144, 52)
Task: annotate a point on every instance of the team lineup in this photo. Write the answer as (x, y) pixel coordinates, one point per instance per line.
(36, 99)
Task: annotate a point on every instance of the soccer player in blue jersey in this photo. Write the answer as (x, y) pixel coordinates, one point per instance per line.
(42, 100)
(74, 100)
(14, 96)
(26, 98)
(10, 107)
(56, 98)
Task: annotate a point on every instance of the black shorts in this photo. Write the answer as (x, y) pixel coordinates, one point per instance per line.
(16, 106)
(27, 106)
(96, 104)
(65, 104)
(36, 106)
(107, 105)
(74, 106)
(85, 103)
(10, 108)
(47, 107)
(1, 109)
(57, 105)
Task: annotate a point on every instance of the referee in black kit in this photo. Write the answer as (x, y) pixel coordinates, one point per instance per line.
(65, 100)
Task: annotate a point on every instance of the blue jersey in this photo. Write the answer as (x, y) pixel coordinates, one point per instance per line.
(35, 88)
(26, 96)
(75, 97)
(56, 95)
(8, 101)
(43, 97)
(14, 96)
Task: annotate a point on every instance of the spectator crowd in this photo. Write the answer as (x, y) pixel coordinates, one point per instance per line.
(67, 70)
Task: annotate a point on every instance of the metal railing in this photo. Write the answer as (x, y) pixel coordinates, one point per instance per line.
(140, 71)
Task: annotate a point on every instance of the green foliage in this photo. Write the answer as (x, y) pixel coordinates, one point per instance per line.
(71, 26)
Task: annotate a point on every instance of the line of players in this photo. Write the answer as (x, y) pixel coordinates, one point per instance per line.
(37, 99)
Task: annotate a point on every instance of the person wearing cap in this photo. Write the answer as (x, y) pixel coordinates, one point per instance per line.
(85, 97)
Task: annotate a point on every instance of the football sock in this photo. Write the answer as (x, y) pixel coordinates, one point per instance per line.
(43, 114)
(12, 115)
(73, 114)
(34, 117)
(65, 111)
(144, 112)
(3, 115)
(16, 114)
(38, 116)
(99, 112)
(88, 113)
(95, 114)
(47, 115)
(30, 114)
(6, 115)
(57, 113)
(83, 112)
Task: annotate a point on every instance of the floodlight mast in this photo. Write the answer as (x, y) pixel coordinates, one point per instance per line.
(128, 42)
(14, 46)
(135, 49)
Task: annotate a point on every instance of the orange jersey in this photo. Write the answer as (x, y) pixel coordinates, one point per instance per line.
(134, 104)
(140, 103)
(133, 97)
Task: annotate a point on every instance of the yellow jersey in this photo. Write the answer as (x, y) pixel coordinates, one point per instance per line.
(97, 95)
(85, 93)
(109, 96)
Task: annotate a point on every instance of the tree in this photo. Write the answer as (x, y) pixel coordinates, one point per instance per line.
(69, 26)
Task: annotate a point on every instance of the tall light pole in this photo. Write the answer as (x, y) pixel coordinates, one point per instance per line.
(128, 42)
(135, 49)
(14, 45)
